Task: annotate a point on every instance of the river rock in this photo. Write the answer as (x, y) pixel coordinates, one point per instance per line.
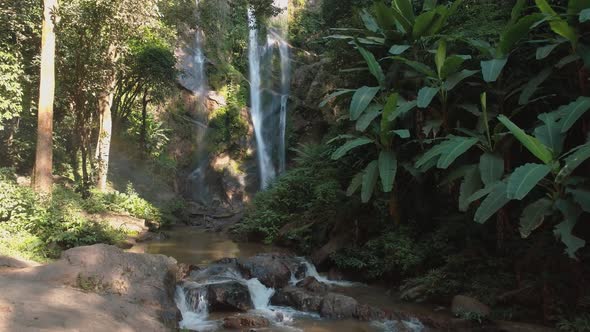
(149, 280)
(229, 296)
(464, 304)
(368, 313)
(270, 269)
(338, 306)
(297, 298)
(239, 322)
(313, 285)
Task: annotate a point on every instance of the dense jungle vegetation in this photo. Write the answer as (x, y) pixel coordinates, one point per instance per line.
(452, 156)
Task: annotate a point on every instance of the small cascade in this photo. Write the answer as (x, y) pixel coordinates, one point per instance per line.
(191, 300)
(260, 294)
(194, 319)
(269, 100)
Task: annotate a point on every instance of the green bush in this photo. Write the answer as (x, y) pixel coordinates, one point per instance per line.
(304, 196)
(393, 253)
(39, 230)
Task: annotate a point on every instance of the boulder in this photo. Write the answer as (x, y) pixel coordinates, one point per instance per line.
(149, 280)
(297, 298)
(270, 269)
(464, 304)
(367, 313)
(311, 284)
(229, 296)
(338, 306)
(239, 322)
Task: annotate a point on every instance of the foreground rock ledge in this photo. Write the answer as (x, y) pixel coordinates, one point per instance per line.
(95, 288)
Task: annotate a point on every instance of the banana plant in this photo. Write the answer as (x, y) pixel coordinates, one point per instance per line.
(565, 197)
(442, 79)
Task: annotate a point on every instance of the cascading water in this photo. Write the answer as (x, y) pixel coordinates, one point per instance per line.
(264, 93)
(191, 300)
(195, 79)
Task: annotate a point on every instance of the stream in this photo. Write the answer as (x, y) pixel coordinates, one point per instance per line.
(192, 245)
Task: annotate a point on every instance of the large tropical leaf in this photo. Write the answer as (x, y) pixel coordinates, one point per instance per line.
(573, 112)
(417, 66)
(343, 150)
(584, 15)
(441, 56)
(433, 153)
(574, 160)
(550, 133)
(557, 24)
(532, 85)
(517, 31)
(471, 183)
(372, 112)
(398, 49)
(451, 65)
(517, 11)
(456, 78)
(355, 184)
(370, 178)
(405, 8)
(544, 51)
(532, 144)
(582, 197)
(387, 169)
(494, 202)
(483, 192)
(524, 179)
(334, 95)
(455, 147)
(534, 215)
(491, 168)
(425, 96)
(361, 100)
(374, 66)
(369, 21)
(423, 22)
(491, 69)
(571, 212)
(386, 122)
(402, 108)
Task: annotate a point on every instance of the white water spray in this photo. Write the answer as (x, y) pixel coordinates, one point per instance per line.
(267, 129)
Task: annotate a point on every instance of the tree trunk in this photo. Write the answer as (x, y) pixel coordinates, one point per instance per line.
(105, 133)
(144, 104)
(42, 176)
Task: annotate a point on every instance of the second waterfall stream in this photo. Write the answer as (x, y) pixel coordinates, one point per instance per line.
(269, 99)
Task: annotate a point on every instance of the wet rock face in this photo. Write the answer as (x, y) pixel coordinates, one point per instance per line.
(229, 296)
(313, 285)
(270, 269)
(338, 306)
(239, 322)
(297, 298)
(225, 296)
(464, 305)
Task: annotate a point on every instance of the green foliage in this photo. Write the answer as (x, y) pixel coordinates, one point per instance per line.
(35, 229)
(391, 253)
(580, 323)
(228, 125)
(303, 196)
(11, 91)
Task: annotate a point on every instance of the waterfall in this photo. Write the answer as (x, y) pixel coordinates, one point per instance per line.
(267, 171)
(270, 132)
(195, 79)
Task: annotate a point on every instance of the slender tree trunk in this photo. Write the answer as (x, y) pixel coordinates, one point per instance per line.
(144, 104)
(42, 177)
(105, 133)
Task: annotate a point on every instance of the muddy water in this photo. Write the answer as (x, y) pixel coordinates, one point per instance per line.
(192, 245)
